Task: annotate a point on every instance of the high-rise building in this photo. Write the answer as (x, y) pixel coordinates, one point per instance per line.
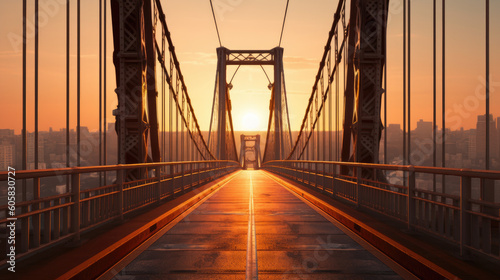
(472, 145)
(6, 155)
(423, 129)
(6, 133)
(481, 137)
(31, 151)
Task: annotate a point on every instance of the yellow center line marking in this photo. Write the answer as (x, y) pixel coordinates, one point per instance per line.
(251, 268)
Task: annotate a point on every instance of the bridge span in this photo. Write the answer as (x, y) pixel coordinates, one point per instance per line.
(252, 224)
(255, 226)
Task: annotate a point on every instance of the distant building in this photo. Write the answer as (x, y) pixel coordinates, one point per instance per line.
(481, 137)
(6, 133)
(423, 130)
(7, 155)
(394, 130)
(31, 151)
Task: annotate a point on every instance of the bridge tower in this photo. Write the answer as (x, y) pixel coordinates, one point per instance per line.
(247, 146)
(221, 129)
(366, 61)
(134, 58)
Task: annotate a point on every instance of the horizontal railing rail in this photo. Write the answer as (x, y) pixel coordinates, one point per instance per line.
(41, 222)
(461, 215)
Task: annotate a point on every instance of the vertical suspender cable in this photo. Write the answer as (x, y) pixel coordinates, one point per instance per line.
(170, 118)
(163, 88)
(385, 90)
(344, 27)
(105, 149)
(35, 148)
(487, 157)
(67, 91)
(385, 106)
(100, 89)
(24, 134)
(404, 84)
(409, 81)
(443, 108)
(24, 222)
(177, 122)
(330, 111)
(78, 66)
(434, 122)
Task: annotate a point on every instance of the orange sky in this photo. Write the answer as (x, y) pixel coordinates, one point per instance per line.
(248, 24)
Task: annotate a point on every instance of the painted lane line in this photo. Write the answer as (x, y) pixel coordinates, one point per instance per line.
(251, 268)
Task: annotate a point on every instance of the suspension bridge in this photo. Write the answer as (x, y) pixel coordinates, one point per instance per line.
(182, 203)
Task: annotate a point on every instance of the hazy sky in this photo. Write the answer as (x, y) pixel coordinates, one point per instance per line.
(250, 24)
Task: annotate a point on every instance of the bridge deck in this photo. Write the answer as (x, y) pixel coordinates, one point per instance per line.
(292, 240)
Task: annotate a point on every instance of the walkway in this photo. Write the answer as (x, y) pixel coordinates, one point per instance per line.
(254, 227)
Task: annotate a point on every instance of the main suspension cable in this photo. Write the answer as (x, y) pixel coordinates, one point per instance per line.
(215, 21)
(283, 26)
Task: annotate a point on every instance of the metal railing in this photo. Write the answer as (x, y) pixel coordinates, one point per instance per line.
(44, 221)
(466, 219)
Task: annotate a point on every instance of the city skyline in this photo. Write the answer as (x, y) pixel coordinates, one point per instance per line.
(461, 145)
(303, 42)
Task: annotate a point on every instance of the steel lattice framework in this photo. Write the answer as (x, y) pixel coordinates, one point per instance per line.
(221, 136)
(136, 24)
(250, 143)
(130, 17)
(369, 17)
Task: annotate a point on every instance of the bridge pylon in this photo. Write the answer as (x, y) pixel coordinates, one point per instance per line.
(135, 64)
(245, 147)
(366, 61)
(221, 137)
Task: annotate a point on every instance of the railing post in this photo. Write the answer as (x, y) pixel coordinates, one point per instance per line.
(334, 173)
(36, 218)
(158, 187)
(316, 171)
(119, 181)
(198, 168)
(191, 179)
(182, 178)
(411, 201)
(465, 225)
(303, 173)
(324, 177)
(172, 176)
(75, 211)
(358, 188)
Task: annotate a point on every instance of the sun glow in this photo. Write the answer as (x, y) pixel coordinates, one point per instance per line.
(250, 122)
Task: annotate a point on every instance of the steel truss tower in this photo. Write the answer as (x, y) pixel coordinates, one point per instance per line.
(255, 148)
(134, 58)
(281, 137)
(366, 61)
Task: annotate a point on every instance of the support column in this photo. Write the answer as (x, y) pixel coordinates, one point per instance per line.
(278, 127)
(222, 87)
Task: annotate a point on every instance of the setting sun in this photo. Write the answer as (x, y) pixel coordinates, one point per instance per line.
(250, 122)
